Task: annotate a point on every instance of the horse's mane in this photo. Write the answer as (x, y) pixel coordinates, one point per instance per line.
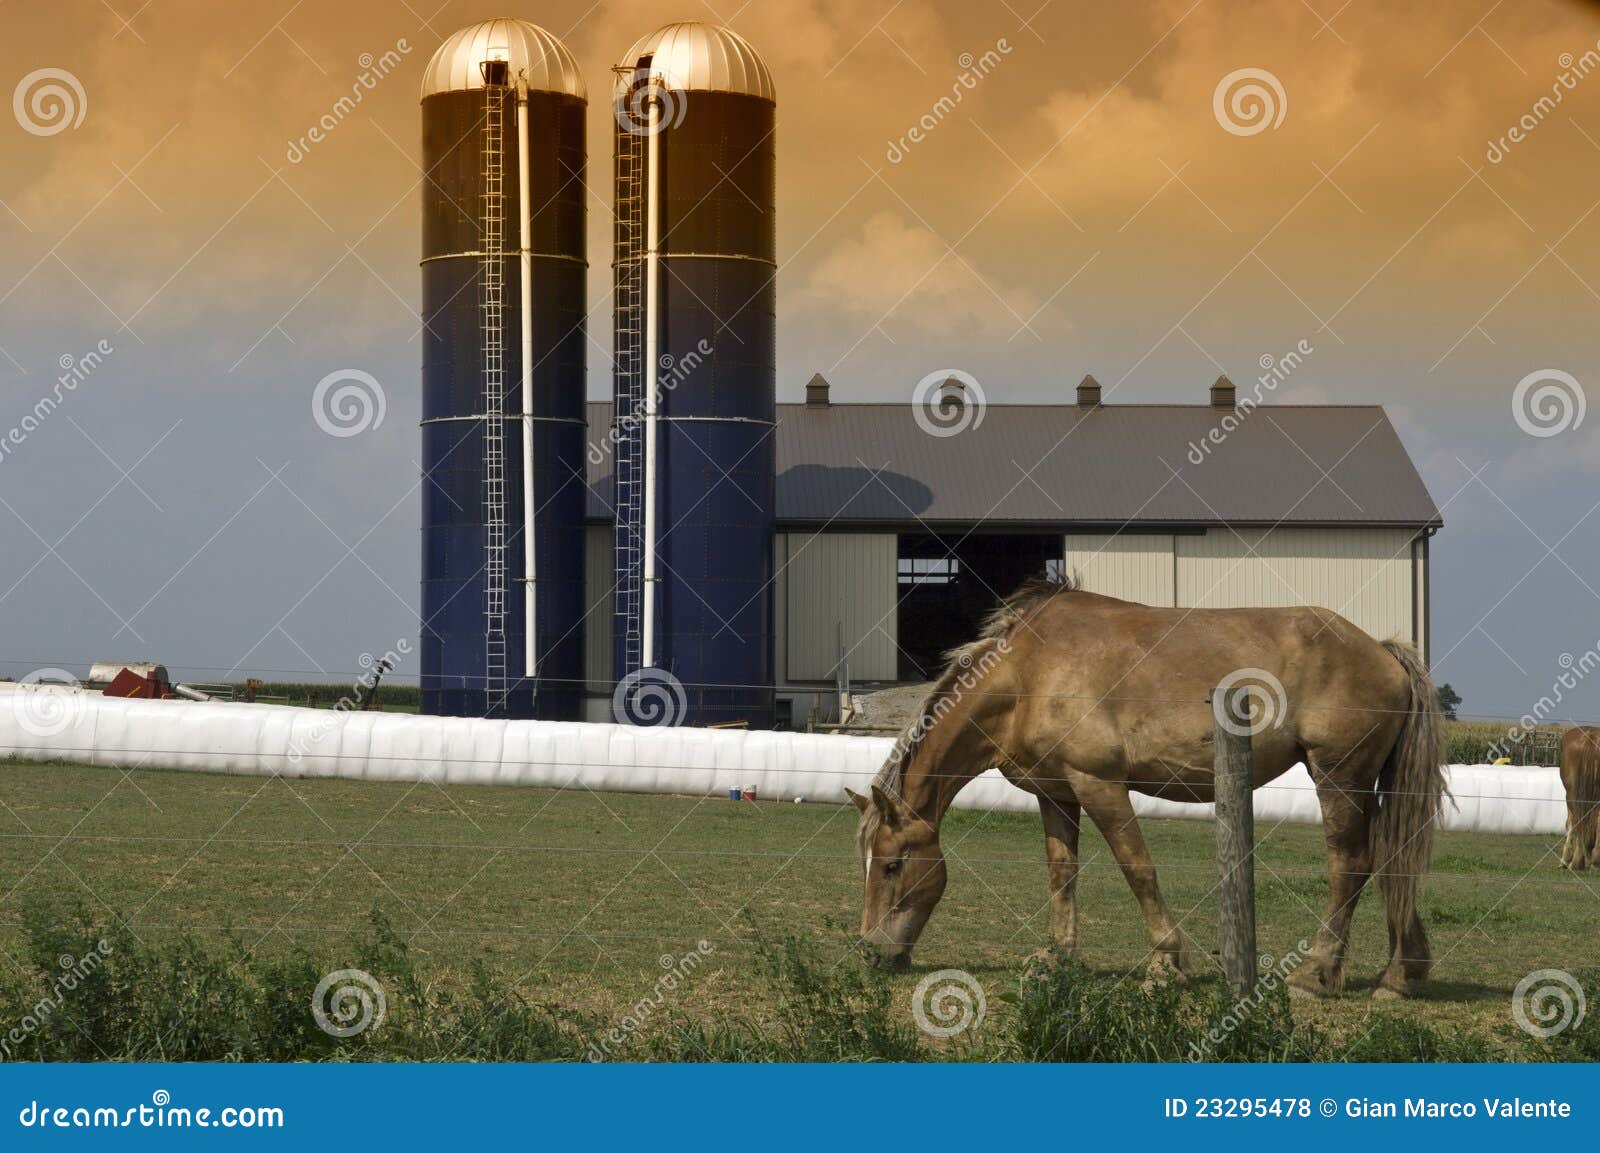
(1022, 605)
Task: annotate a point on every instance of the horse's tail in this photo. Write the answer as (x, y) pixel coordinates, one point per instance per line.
(1580, 773)
(1411, 791)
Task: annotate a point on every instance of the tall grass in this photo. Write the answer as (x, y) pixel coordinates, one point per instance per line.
(1482, 742)
(184, 1000)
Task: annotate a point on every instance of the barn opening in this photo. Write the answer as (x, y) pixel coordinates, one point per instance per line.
(949, 583)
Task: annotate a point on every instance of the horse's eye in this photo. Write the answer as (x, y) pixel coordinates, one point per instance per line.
(892, 868)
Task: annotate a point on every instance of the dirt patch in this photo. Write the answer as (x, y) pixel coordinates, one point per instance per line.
(892, 708)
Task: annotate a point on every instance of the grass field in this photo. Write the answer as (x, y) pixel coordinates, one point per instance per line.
(576, 897)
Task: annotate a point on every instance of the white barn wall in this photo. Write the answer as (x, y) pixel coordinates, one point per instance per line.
(600, 603)
(1364, 573)
(836, 579)
(1419, 564)
(780, 606)
(1131, 566)
(1371, 575)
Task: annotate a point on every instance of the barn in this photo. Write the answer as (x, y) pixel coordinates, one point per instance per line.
(895, 532)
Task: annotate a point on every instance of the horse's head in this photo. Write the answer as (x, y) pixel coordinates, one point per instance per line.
(905, 874)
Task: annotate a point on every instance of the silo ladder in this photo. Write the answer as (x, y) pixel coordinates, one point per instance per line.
(494, 396)
(630, 407)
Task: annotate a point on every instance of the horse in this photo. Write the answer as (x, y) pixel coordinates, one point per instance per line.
(1580, 776)
(1078, 698)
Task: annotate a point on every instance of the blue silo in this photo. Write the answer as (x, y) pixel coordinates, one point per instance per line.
(695, 265)
(503, 110)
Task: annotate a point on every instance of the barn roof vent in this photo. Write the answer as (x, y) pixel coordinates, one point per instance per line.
(1223, 394)
(952, 395)
(1089, 392)
(817, 392)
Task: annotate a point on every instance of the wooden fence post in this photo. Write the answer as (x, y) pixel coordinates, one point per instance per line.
(1236, 836)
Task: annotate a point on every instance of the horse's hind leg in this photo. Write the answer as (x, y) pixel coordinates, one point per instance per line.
(1347, 812)
(1587, 851)
(1111, 810)
(1574, 852)
(1061, 823)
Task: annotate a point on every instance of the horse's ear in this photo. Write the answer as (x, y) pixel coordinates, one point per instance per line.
(857, 799)
(888, 807)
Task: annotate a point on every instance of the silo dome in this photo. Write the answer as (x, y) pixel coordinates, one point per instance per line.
(699, 57)
(547, 63)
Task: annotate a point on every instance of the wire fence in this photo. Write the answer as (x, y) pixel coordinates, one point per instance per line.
(1177, 783)
(334, 679)
(851, 857)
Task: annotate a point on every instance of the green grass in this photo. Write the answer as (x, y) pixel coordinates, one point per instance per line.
(564, 903)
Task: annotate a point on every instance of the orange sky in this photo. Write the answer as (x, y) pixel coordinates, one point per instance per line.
(1083, 209)
(1357, 219)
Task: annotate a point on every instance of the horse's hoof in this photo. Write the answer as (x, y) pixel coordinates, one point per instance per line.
(1314, 982)
(1384, 993)
(1164, 970)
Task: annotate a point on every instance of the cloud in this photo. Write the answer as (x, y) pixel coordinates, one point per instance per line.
(899, 275)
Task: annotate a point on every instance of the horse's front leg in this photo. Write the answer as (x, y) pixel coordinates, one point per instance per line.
(1111, 809)
(1061, 823)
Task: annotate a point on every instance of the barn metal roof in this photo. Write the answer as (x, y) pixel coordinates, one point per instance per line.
(1134, 464)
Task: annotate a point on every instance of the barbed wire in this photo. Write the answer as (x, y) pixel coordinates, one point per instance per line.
(356, 676)
(852, 857)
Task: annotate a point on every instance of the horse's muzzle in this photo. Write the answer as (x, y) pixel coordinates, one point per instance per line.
(894, 959)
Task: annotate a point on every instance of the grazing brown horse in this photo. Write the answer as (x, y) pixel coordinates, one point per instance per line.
(1078, 698)
(1580, 776)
